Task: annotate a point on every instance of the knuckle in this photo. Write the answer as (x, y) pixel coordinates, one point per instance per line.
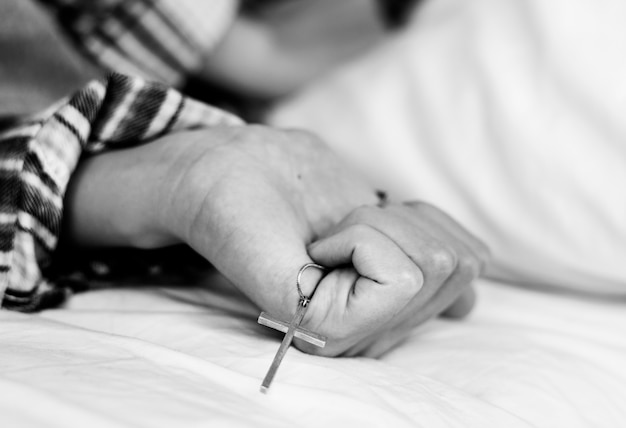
(409, 279)
(443, 260)
(469, 268)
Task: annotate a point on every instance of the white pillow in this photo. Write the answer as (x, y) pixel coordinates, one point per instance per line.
(511, 116)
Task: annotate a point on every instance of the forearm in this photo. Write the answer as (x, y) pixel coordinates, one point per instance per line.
(111, 201)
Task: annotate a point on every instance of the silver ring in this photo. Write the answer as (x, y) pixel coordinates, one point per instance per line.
(304, 299)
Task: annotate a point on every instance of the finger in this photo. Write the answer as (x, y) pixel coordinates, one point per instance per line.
(380, 344)
(462, 306)
(447, 291)
(373, 255)
(424, 238)
(435, 250)
(388, 278)
(451, 291)
(449, 225)
(445, 297)
(434, 256)
(455, 293)
(471, 252)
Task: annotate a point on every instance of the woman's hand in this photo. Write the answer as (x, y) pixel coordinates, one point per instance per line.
(251, 205)
(392, 269)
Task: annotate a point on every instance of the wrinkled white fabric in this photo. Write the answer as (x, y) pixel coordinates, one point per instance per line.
(515, 104)
(508, 114)
(167, 357)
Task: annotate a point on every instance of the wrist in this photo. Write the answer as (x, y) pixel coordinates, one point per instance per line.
(191, 168)
(115, 199)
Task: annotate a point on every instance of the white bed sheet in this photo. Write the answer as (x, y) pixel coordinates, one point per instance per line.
(188, 357)
(476, 72)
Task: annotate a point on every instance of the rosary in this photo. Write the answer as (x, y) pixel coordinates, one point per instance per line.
(291, 329)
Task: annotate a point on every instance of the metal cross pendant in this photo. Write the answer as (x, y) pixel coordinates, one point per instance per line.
(291, 330)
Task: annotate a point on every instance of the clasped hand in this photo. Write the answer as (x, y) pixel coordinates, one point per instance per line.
(259, 203)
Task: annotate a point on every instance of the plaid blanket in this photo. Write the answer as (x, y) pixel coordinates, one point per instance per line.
(38, 156)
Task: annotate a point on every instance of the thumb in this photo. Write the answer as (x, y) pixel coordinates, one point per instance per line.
(388, 278)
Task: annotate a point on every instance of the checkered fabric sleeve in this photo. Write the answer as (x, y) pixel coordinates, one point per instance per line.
(164, 40)
(38, 157)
